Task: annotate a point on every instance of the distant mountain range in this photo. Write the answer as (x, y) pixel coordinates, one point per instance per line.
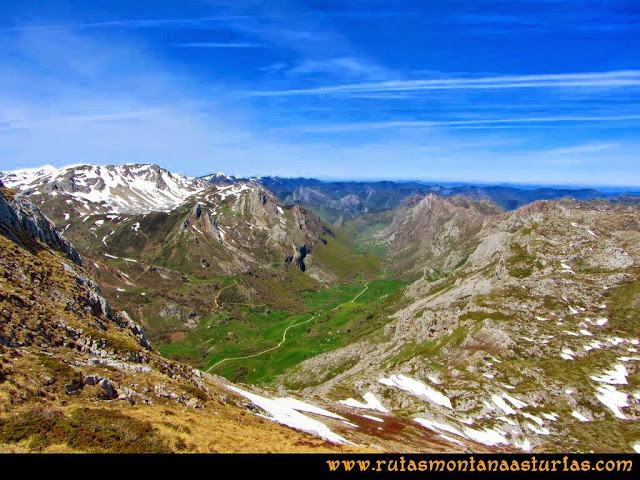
(353, 198)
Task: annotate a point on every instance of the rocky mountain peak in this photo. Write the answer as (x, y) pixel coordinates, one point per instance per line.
(435, 231)
(130, 188)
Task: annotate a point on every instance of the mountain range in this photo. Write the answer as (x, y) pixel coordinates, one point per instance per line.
(392, 316)
(139, 188)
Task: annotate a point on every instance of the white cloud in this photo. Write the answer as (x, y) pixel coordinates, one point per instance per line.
(76, 98)
(583, 149)
(625, 78)
(498, 123)
(348, 67)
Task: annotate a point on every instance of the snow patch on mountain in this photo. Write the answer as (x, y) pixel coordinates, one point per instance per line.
(375, 419)
(372, 403)
(613, 399)
(617, 376)
(25, 176)
(138, 188)
(282, 411)
(306, 407)
(439, 426)
(416, 388)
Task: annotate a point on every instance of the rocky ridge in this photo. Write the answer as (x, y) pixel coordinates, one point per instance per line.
(431, 232)
(19, 219)
(531, 343)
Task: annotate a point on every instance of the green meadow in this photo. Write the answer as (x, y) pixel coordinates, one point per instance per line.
(332, 320)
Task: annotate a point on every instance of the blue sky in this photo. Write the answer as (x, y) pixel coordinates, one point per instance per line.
(478, 91)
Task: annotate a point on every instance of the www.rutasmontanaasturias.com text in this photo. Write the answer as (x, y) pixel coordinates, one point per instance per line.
(472, 464)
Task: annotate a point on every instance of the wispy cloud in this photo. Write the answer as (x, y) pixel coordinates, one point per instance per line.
(583, 149)
(107, 102)
(562, 22)
(219, 45)
(197, 22)
(138, 23)
(39, 121)
(624, 78)
(341, 67)
(476, 23)
(485, 123)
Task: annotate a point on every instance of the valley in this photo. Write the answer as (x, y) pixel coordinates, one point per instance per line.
(335, 319)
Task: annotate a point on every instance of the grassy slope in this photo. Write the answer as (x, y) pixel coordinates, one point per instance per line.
(222, 335)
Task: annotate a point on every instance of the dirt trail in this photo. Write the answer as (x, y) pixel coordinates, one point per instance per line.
(366, 286)
(284, 337)
(215, 299)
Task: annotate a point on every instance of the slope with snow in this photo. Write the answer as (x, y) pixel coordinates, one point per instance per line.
(25, 176)
(416, 388)
(287, 412)
(137, 188)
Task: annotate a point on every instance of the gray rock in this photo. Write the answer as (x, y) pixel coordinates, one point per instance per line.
(109, 392)
(99, 305)
(171, 311)
(73, 388)
(127, 397)
(20, 216)
(92, 379)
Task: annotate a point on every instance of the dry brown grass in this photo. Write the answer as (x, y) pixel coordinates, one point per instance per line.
(230, 430)
(219, 426)
(227, 430)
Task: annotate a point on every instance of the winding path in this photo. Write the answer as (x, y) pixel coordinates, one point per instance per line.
(215, 299)
(366, 286)
(284, 335)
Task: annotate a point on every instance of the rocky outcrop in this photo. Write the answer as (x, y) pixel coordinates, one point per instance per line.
(530, 338)
(231, 229)
(20, 217)
(437, 232)
(22, 222)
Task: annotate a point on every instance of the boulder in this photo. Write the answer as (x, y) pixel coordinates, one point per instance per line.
(92, 379)
(109, 392)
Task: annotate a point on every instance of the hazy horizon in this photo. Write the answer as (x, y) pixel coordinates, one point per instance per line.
(631, 189)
